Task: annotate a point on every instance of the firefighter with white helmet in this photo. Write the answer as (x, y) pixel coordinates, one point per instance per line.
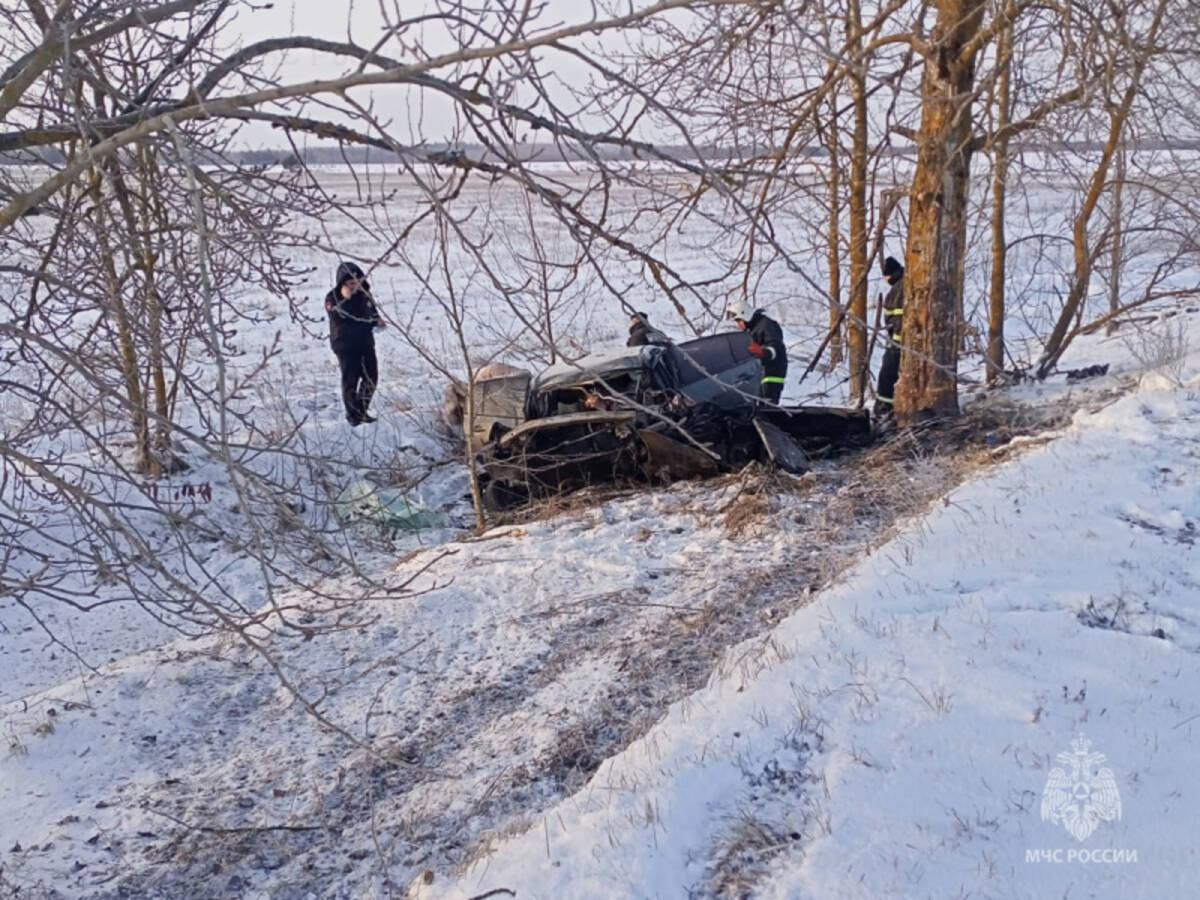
(766, 342)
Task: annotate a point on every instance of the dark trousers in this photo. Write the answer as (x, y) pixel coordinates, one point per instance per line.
(889, 372)
(770, 390)
(360, 375)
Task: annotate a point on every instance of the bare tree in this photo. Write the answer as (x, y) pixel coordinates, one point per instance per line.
(1124, 68)
(834, 187)
(1002, 106)
(938, 208)
(859, 227)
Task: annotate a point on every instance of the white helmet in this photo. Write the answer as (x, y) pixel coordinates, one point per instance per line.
(738, 309)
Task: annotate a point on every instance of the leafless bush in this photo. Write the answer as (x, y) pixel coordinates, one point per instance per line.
(1161, 347)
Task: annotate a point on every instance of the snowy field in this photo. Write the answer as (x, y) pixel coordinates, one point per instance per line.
(758, 685)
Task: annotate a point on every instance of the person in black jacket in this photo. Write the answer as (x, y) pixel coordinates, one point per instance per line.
(353, 318)
(641, 332)
(766, 342)
(893, 319)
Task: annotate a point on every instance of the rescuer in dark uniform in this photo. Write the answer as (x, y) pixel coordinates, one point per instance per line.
(641, 332)
(766, 342)
(893, 319)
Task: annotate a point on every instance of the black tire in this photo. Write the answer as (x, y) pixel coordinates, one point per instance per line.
(499, 497)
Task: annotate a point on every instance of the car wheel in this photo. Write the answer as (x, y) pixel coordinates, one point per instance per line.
(498, 496)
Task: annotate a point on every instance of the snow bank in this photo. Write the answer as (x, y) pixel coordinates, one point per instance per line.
(898, 739)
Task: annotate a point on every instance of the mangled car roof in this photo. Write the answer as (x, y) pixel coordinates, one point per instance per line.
(588, 368)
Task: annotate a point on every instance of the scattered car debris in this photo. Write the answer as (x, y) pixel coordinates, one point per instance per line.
(1087, 372)
(387, 507)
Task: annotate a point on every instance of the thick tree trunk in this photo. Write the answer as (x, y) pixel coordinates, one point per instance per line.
(928, 383)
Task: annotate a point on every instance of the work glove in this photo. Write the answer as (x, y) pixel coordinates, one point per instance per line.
(756, 349)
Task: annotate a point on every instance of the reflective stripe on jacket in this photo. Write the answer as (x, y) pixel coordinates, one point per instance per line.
(893, 310)
(766, 332)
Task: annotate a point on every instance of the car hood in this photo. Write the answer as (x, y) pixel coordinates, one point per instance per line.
(567, 420)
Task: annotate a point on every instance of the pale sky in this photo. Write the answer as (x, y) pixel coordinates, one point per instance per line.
(362, 22)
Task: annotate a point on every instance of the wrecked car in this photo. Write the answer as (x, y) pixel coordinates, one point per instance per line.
(653, 413)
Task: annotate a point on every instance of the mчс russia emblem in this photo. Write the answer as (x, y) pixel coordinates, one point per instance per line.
(1081, 794)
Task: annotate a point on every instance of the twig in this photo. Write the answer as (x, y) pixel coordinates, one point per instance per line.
(920, 694)
(1185, 721)
(474, 539)
(246, 829)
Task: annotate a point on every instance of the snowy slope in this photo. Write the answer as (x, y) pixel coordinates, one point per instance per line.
(511, 667)
(893, 740)
(898, 740)
(890, 740)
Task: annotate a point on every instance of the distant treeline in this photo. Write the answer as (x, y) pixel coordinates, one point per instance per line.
(319, 156)
(358, 155)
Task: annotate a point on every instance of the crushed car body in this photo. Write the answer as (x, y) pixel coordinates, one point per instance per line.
(654, 413)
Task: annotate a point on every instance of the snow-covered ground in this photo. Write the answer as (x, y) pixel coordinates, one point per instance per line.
(898, 738)
(756, 685)
(889, 734)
